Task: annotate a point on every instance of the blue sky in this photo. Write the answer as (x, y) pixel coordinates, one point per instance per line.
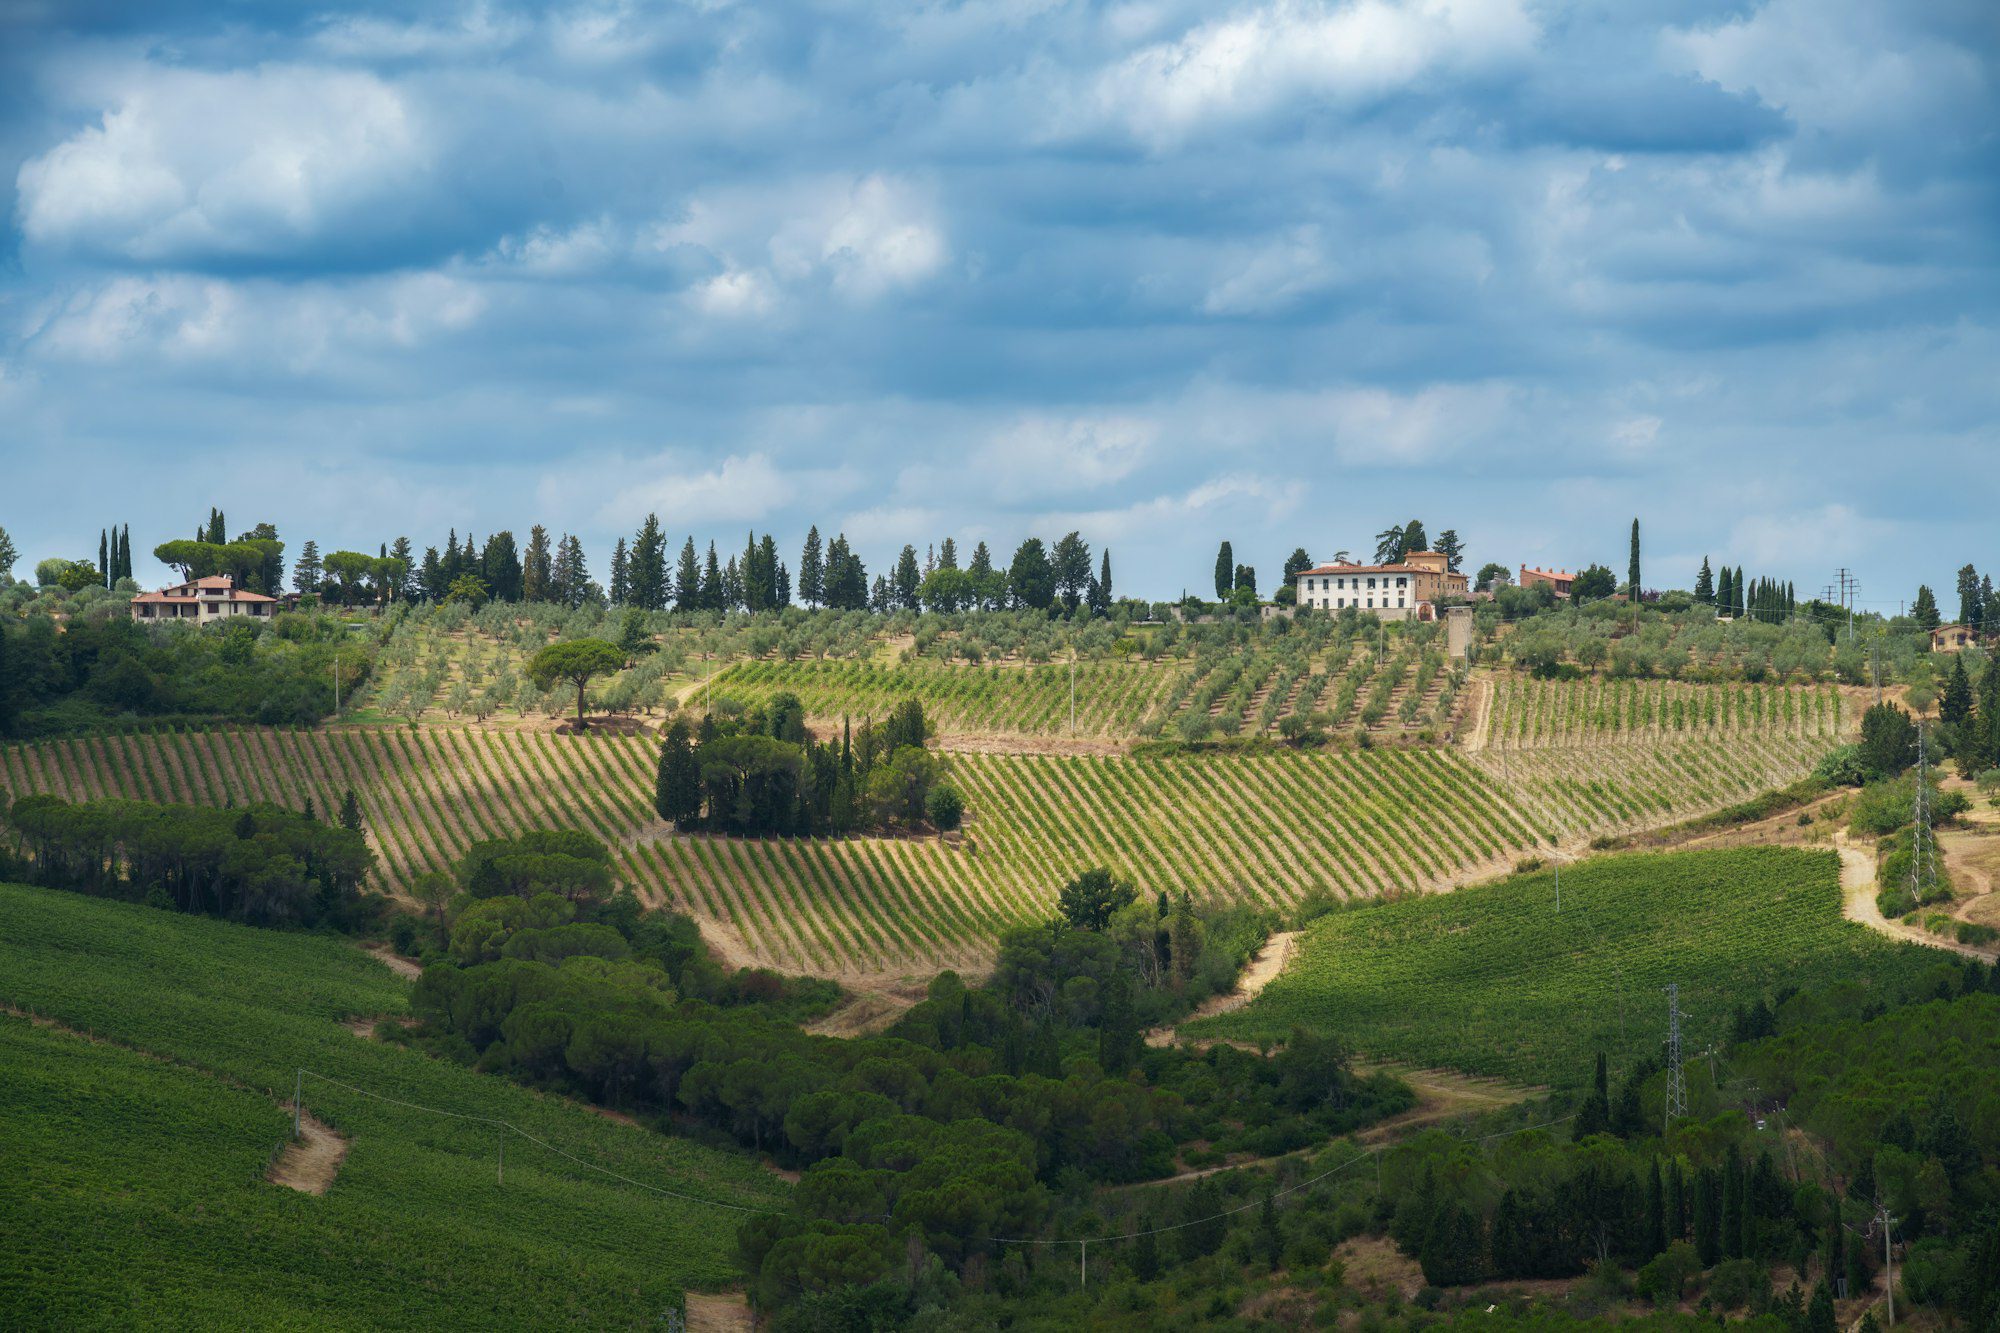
(1167, 272)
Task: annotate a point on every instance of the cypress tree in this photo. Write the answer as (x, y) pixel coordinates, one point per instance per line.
(1707, 1223)
(1594, 1116)
(771, 574)
(104, 574)
(1146, 1252)
(1632, 567)
(1704, 583)
(1731, 1238)
(1677, 1221)
(687, 579)
(711, 582)
(677, 788)
(350, 811)
(621, 574)
(812, 569)
(1225, 572)
(646, 566)
(1655, 1219)
(1104, 582)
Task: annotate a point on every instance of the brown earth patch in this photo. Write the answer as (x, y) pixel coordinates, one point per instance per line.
(1374, 1267)
(864, 1013)
(311, 1161)
(719, 1312)
(403, 967)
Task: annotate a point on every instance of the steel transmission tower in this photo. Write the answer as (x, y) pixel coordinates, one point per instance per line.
(1923, 842)
(1677, 1097)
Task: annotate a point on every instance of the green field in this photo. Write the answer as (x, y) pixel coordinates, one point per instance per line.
(1494, 981)
(134, 1194)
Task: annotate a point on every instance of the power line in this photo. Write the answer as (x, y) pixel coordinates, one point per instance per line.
(1363, 1156)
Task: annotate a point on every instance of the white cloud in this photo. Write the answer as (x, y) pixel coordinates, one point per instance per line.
(1788, 540)
(1049, 455)
(862, 237)
(179, 319)
(477, 31)
(736, 293)
(1374, 426)
(1274, 276)
(1854, 67)
(1636, 433)
(1210, 506)
(741, 489)
(251, 163)
(1262, 58)
(560, 252)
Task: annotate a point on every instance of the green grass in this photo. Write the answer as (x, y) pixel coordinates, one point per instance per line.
(1492, 980)
(135, 1197)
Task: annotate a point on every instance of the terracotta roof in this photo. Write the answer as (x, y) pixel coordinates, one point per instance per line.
(224, 583)
(1546, 573)
(1378, 569)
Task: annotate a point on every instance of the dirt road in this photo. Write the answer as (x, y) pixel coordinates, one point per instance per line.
(1857, 903)
(1260, 972)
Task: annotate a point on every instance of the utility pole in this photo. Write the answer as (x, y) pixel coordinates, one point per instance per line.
(1072, 685)
(1888, 1260)
(1083, 1263)
(1676, 1086)
(1849, 586)
(336, 684)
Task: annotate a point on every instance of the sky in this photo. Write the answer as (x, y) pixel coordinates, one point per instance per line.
(1166, 272)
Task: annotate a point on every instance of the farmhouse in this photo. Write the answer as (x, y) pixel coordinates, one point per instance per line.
(202, 602)
(1557, 579)
(1953, 638)
(1405, 590)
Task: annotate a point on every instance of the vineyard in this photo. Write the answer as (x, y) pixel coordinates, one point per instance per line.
(135, 1194)
(1220, 692)
(1495, 981)
(1270, 828)
(1528, 714)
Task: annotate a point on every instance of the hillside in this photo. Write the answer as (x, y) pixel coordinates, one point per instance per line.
(1494, 980)
(137, 1196)
(1269, 827)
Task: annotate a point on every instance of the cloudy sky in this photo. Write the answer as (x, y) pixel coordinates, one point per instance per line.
(1166, 271)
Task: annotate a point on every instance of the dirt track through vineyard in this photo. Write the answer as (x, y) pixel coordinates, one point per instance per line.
(310, 1162)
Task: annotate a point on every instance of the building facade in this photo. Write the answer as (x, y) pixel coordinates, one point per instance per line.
(1402, 591)
(1953, 638)
(1558, 580)
(202, 602)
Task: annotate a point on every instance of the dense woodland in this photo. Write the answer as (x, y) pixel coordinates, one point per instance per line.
(259, 864)
(761, 772)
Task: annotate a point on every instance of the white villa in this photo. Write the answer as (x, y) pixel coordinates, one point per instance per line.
(202, 602)
(1402, 591)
